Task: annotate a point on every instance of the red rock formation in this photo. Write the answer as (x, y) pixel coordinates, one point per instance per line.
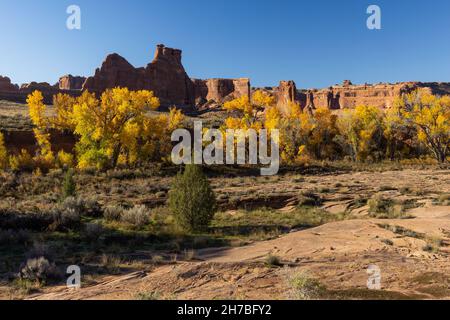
(165, 76)
(7, 86)
(286, 92)
(220, 90)
(69, 82)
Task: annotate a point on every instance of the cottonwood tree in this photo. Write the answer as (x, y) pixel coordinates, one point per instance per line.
(430, 114)
(107, 127)
(3, 153)
(361, 132)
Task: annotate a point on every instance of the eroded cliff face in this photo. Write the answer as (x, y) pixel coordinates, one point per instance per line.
(69, 82)
(349, 96)
(220, 90)
(165, 76)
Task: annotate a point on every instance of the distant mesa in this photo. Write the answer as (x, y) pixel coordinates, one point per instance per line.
(167, 78)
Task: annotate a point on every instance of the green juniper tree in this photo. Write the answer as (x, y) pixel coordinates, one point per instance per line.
(191, 199)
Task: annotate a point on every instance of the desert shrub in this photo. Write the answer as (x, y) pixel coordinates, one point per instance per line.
(384, 208)
(309, 199)
(192, 200)
(111, 263)
(148, 296)
(69, 186)
(39, 270)
(91, 208)
(273, 261)
(87, 207)
(138, 216)
(302, 286)
(65, 220)
(67, 215)
(113, 213)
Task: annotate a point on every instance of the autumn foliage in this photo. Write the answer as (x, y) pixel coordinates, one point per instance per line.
(116, 129)
(112, 130)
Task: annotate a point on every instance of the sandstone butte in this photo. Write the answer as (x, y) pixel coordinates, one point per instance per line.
(166, 76)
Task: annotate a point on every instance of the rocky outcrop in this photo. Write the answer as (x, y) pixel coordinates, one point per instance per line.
(381, 95)
(69, 82)
(285, 93)
(165, 76)
(7, 86)
(220, 90)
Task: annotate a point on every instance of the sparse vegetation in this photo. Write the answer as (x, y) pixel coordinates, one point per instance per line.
(69, 187)
(302, 285)
(382, 207)
(138, 216)
(192, 200)
(273, 261)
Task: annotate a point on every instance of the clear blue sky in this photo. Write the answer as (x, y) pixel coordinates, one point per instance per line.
(316, 43)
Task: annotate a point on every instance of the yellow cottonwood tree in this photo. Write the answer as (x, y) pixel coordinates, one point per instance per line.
(106, 126)
(361, 132)
(430, 114)
(249, 110)
(3, 153)
(37, 109)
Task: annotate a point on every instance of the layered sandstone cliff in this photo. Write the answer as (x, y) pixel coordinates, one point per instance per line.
(383, 95)
(69, 82)
(165, 76)
(349, 96)
(220, 90)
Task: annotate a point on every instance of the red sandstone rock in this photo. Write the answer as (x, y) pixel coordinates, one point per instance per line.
(7, 86)
(69, 82)
(285, 93)
(221, 90)
(165, 76)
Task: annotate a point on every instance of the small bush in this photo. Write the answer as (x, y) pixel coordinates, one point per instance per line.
(273, 261)
(148, 296)
(111, 263)
(302, 286)
(87, 207)
(137, 216)
(192, 200)
(69, 186)
(65, 220)
(39, 270)
(309, 199)
(113, 213)
(385, 208)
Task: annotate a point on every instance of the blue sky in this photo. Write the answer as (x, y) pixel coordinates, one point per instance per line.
(316, 43)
